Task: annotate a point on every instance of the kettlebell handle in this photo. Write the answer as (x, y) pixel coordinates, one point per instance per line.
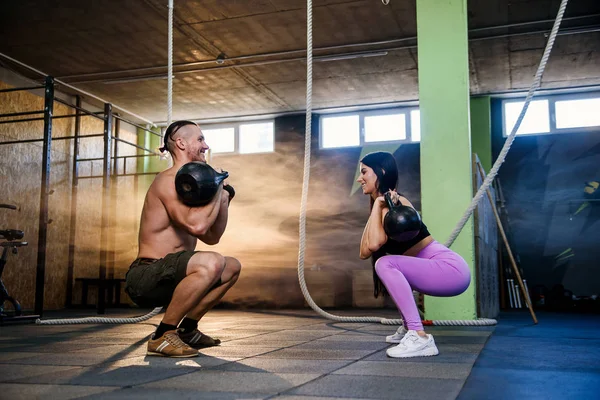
(221, 176)
(388, 200)
(223, 173)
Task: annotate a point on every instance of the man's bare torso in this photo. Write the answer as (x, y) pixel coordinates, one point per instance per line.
(158, 234)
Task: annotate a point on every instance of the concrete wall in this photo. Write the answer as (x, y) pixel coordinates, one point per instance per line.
(551, 186)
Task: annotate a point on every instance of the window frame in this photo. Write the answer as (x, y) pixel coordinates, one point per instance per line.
(406, 110)
(224, 126)
(552, 99)
(236, 135)
(345, 114)
(583, 96)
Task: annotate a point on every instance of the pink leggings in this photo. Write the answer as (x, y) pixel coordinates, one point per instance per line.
(435, 271)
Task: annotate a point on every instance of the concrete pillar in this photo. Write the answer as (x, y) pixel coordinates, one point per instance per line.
(446, 183)
(481, 130)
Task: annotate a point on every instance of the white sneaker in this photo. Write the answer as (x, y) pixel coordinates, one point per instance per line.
(413, 345)
(396, 337)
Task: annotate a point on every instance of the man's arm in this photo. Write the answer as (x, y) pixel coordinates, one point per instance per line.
(215, 232)
(197, 221)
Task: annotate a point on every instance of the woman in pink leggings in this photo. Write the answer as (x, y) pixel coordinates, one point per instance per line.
(420, 264)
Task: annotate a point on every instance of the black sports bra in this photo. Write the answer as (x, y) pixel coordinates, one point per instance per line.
(399, 248)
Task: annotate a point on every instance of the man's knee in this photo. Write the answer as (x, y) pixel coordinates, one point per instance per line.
(209, 263)
(233, 265)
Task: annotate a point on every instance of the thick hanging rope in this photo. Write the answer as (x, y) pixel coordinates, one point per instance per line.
(157, 310)
(170, 68)
(509, 140)
(99, 320)
(482, 190)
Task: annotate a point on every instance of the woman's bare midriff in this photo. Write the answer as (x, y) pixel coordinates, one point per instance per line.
(416, 249)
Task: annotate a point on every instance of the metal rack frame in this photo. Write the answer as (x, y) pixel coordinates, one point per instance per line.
(109, 175)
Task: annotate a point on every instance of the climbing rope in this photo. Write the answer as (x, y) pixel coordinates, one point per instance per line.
(509, 140)
(170, 67)
(99, 320)
(482, 190)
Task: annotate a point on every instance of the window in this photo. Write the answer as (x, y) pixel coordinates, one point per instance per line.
(340, 131)
(577, 113)
(564, 113)
(256, 138)
(242, 138)
(415, 125)
(536, 120)
(382, 128)
(220, 140)
(357, 129)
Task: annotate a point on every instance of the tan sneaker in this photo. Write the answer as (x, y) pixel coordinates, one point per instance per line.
(197, 339)
(170, 345)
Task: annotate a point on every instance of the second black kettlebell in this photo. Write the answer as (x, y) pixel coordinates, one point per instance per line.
(401, 223)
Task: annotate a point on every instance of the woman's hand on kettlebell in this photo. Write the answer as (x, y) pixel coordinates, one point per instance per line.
(394, 196)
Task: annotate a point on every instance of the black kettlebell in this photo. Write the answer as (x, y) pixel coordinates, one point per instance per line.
(197, 183)
(401, 223)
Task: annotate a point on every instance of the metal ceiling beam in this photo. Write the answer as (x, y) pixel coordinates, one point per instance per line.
(216, 52)
(77, 90)
(331, 57)
(506, 94)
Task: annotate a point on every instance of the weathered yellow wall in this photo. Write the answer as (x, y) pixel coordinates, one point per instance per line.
(89, 209)
(20, 180)
(20, 174)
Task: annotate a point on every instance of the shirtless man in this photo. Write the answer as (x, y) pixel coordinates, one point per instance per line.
(168, 270)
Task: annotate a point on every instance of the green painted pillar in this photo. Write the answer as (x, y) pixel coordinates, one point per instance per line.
(143, 164)
(141, 141)
(446, 186)
(155, 164)
(148, 164)
(481, 130)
